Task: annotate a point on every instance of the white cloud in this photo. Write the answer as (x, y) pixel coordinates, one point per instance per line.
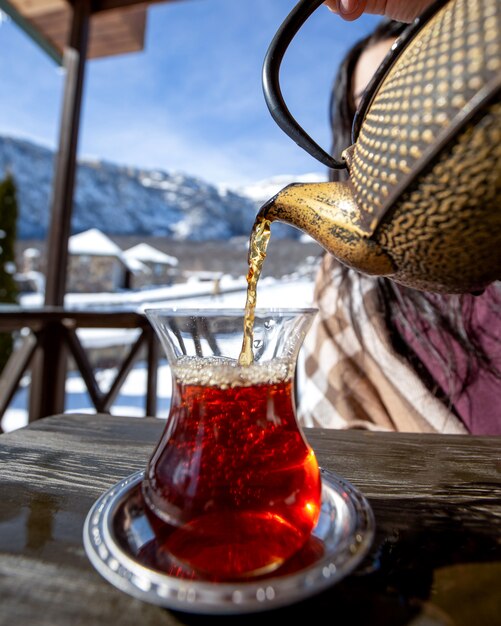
(192, 100)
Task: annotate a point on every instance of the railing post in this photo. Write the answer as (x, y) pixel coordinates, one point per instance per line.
(48, 373)
(153, 353)
(49, 370)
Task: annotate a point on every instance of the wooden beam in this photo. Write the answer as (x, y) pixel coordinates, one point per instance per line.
(106, 5)
(32, 31)
(32, 8)
(117, 32)
(64, 180)
(153, 357)
(117, 29)
(49, 372)
(14, 370)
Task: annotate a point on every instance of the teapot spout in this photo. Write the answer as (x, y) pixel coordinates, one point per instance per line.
(329, 214)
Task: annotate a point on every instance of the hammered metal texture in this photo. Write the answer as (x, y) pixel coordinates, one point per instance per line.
(444, 66)
(423, 202)
(444, 232)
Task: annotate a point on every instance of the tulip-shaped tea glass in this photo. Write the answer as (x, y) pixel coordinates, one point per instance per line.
(233, 488)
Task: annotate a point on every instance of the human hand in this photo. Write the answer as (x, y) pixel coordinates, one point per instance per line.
(400, 10)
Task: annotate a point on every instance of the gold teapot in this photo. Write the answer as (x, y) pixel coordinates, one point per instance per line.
(422, 205)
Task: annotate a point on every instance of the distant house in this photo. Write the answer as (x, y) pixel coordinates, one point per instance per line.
(97, 264)
(31, 260)
(30, 279)
(163, 268)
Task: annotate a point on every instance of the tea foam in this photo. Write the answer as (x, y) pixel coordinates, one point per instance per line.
(224, 372)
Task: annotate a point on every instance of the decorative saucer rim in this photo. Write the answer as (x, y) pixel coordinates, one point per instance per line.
(219, 598)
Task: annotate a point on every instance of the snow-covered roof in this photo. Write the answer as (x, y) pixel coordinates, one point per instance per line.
(148, 254)
(94, 243)
(135, 266)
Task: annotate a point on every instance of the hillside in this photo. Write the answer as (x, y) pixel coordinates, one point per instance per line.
(127, 201)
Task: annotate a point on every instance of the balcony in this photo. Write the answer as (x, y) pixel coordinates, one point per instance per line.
(71, 32)
(39, 330)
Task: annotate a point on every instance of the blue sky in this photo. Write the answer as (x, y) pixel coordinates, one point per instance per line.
(192, 100)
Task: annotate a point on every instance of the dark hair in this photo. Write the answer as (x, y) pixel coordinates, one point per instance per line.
(342, 103)
(407, 310)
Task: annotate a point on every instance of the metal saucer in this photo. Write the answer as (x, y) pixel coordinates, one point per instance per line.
(120, 543)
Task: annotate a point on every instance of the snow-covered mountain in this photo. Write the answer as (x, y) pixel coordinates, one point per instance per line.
(123, 200)
(262, 190)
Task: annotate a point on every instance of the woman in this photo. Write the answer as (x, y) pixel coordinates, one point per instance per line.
(384, 356)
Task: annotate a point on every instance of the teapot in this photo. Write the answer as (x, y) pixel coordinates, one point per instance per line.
(422, 203)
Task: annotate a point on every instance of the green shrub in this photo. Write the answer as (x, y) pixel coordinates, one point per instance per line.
(8, 287)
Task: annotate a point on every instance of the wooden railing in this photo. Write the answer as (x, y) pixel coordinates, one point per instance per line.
(40, 329)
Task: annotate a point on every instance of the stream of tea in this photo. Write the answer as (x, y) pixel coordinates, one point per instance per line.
(258, 245)
(233, 489)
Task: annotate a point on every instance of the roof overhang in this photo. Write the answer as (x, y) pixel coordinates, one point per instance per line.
(116, 26)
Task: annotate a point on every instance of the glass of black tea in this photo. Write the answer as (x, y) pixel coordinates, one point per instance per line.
(233, 489)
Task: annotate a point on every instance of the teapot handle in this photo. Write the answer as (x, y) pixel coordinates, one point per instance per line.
(271, 85)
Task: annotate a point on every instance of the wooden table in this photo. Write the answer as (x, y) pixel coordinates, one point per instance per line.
(436, 559)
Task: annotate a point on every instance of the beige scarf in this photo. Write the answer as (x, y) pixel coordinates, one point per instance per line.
(342, 384)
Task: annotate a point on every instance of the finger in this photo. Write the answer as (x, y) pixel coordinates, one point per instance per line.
(349, 10)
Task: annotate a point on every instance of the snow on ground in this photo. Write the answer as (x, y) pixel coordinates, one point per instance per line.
(293, 292)
(189, 290)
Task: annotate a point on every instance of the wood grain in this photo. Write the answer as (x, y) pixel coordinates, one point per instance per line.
(436, 499)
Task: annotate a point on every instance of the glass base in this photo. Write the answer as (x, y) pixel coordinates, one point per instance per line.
(120, 542)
